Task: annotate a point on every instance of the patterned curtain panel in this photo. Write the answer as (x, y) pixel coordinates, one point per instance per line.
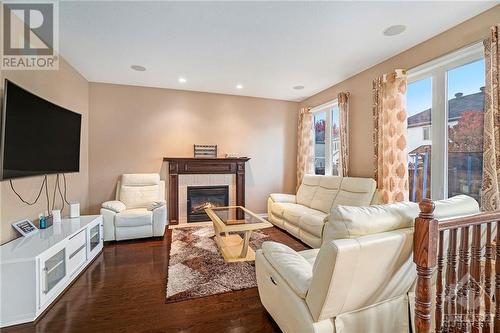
(305, 147)
(343, 103)
(490, 197)
(389, 136)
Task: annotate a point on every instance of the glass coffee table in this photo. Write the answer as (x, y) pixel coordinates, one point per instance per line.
(229, 222)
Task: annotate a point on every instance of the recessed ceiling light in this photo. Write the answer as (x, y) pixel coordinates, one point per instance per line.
(182, 80)
(239, 86)
(298, 87)
(394, 30)
(138, 68)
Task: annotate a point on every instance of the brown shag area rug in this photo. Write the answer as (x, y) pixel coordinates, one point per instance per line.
(196, 267)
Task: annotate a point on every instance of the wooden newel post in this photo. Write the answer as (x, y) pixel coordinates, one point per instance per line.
(425, 241)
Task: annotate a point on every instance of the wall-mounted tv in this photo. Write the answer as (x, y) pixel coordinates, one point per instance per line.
(37, 137)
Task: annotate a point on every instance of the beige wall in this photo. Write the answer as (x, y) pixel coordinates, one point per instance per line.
(133, 128)
(67, 88)
(360, 85)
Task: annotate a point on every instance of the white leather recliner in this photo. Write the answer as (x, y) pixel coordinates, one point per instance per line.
(305, 214)
(361, 278)
(139, 210)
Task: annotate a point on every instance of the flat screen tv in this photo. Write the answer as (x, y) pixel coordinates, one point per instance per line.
(37, 137)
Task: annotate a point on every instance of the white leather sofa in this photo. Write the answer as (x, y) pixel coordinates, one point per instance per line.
(139, 210)
(361, 278)
(305, 214)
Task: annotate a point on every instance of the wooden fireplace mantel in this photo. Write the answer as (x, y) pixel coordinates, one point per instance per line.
(189, 165)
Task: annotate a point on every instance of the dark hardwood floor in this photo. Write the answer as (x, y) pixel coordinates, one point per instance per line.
(123, 290)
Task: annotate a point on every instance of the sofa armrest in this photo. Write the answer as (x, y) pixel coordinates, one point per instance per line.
(281, 197)
(114, 206)
(156, 205)
(159, 220)
(108, 221)
(290, 265)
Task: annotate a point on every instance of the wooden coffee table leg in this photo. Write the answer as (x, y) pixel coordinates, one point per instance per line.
(246, 241)
(217, 232)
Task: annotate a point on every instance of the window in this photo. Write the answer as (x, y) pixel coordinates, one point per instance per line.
(327, 139)
(445, 103)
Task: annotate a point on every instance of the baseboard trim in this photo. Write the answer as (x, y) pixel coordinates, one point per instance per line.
(189, 225)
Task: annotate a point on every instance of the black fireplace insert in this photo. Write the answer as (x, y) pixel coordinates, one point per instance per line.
(201, 197)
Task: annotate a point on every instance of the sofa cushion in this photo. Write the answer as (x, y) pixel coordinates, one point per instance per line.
(293, 214)
(326, 193)
(140, 179)
(281, 197)
(352, 222)
(134, 218)
(139, 190)
(307, 189)
(290, 265)
(313, 224)
(139, 196)
(278, 208)
(355, 192)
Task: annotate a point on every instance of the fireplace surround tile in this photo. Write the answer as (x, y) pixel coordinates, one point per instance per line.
(203, 180)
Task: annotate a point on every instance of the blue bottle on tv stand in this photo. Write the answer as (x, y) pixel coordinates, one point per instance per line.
(42, 221)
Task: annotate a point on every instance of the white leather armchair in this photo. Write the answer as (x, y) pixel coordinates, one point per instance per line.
(362, 277)
(139, 210)
(348, 285)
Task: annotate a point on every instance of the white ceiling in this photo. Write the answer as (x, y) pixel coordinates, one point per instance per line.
(268, 47)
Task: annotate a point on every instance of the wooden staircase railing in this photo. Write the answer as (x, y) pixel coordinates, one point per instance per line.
(464, 298)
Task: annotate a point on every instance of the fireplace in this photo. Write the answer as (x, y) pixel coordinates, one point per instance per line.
(201, 197)
(186, 171)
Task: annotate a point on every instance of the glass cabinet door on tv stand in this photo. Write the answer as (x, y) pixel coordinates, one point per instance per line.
(95, 240)
(53, 272)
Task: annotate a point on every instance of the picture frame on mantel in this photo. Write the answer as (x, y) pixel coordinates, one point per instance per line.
(205, 151)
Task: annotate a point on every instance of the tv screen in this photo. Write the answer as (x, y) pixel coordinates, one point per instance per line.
(37, 137)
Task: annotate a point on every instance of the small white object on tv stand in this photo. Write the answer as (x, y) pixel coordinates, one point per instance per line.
(56, 216)
(35, 270)
(74, 210)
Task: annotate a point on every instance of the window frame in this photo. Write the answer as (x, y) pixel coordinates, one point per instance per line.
(327, 108)
(437, 70)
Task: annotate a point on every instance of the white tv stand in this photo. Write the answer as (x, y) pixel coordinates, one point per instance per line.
(35, 270)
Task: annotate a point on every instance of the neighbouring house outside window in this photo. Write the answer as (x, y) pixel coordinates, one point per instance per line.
(426, 133)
